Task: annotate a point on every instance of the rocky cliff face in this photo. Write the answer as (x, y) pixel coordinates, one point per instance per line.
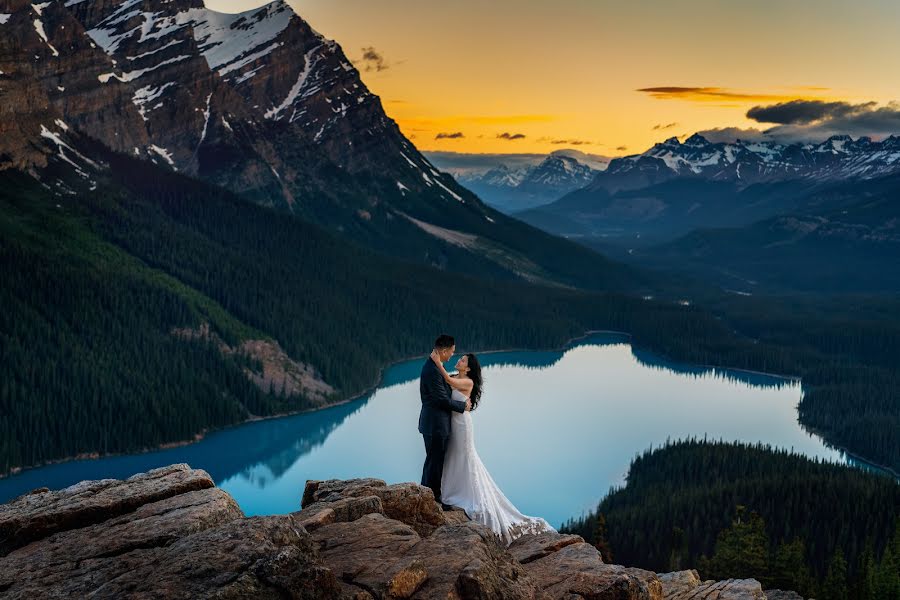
(170, 533)
(257, 102)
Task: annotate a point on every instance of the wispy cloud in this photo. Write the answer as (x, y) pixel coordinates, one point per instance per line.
(510, 136)
(456, 135)
(713, 94)
(568, 142)
(660, 126)
(622, 148)
(373, 60)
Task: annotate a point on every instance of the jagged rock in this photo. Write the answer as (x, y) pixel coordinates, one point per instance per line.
(534, 546)
(782, 595)
(408, 503)
(169, 533)
(159, 539)
(341, 511)
(456, 517)
(38, 515)
(577, 570)
(678, 582)
(390, 559)
(151, 525)
(727, 589)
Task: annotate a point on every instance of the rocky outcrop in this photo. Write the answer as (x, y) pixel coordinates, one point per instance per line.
(170, 533)
(164, 534)
(686, 585)
(405, 502)
(43, 513)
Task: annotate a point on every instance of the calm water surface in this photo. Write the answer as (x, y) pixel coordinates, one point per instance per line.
(556, 430)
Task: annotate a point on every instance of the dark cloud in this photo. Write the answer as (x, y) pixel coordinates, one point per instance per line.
(806, 120)
(799, 112)
(449, 136)
(622, 148)
(510, 136)
(373, 60)
(659, 126)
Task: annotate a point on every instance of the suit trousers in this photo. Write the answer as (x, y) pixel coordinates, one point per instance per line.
(435, 449)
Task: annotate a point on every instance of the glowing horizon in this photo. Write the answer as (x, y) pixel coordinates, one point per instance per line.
(524, 76)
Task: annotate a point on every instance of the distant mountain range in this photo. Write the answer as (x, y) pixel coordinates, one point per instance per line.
(675, 187)
(511, 183)
(258, 103)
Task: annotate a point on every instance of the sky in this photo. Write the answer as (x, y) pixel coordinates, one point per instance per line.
(613, 78)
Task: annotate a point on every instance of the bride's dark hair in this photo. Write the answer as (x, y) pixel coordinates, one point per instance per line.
(474, 374)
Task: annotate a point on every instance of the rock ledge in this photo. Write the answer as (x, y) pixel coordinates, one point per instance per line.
(170, 533)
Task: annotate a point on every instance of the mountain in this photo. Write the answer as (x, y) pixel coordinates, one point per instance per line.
(844, 237)
(745, 162)
(519, 188)
(260, 104)
(676, 187)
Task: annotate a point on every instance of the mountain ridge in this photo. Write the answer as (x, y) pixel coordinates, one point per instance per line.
(263, 105)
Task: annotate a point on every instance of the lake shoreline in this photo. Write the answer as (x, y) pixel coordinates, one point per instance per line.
(199, 436)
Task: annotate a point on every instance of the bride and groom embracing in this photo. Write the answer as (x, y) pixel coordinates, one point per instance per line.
(453, 469)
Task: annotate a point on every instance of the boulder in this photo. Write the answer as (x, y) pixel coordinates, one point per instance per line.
(727, 589)
(534, 546)
(150, 526)
(576, 570)
(389, 559)
(408, 503)
(678, 582)
(38, 515)
(163, 534)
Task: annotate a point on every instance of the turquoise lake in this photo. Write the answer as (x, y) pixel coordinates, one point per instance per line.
(556, 430)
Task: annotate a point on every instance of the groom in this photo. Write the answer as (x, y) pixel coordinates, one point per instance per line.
(434, 419)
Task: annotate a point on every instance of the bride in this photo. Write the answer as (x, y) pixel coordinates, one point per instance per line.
(466, 482)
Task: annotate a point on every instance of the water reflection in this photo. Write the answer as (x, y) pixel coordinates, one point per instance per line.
(555, 428)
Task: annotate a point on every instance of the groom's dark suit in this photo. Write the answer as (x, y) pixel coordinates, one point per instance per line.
(434, 423)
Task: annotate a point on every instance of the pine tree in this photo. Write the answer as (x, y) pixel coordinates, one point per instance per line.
(835, 585)
(600, 541)
(679, 549)
(790, 570)
(742, 550)
(863, 587)
(886, 582)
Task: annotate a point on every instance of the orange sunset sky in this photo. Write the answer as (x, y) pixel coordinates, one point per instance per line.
(613, 78)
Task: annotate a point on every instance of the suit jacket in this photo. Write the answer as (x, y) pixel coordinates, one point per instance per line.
(434, 418)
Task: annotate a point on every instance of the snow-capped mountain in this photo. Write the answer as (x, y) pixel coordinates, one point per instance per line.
(515, 189)
(746, 162)
(675, 187)
(256, 102)
(557, 173)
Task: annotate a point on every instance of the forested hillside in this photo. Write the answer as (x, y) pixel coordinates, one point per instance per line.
(97, 283)
(736, 510)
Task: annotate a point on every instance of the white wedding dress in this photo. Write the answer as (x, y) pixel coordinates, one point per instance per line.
(467, 484)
